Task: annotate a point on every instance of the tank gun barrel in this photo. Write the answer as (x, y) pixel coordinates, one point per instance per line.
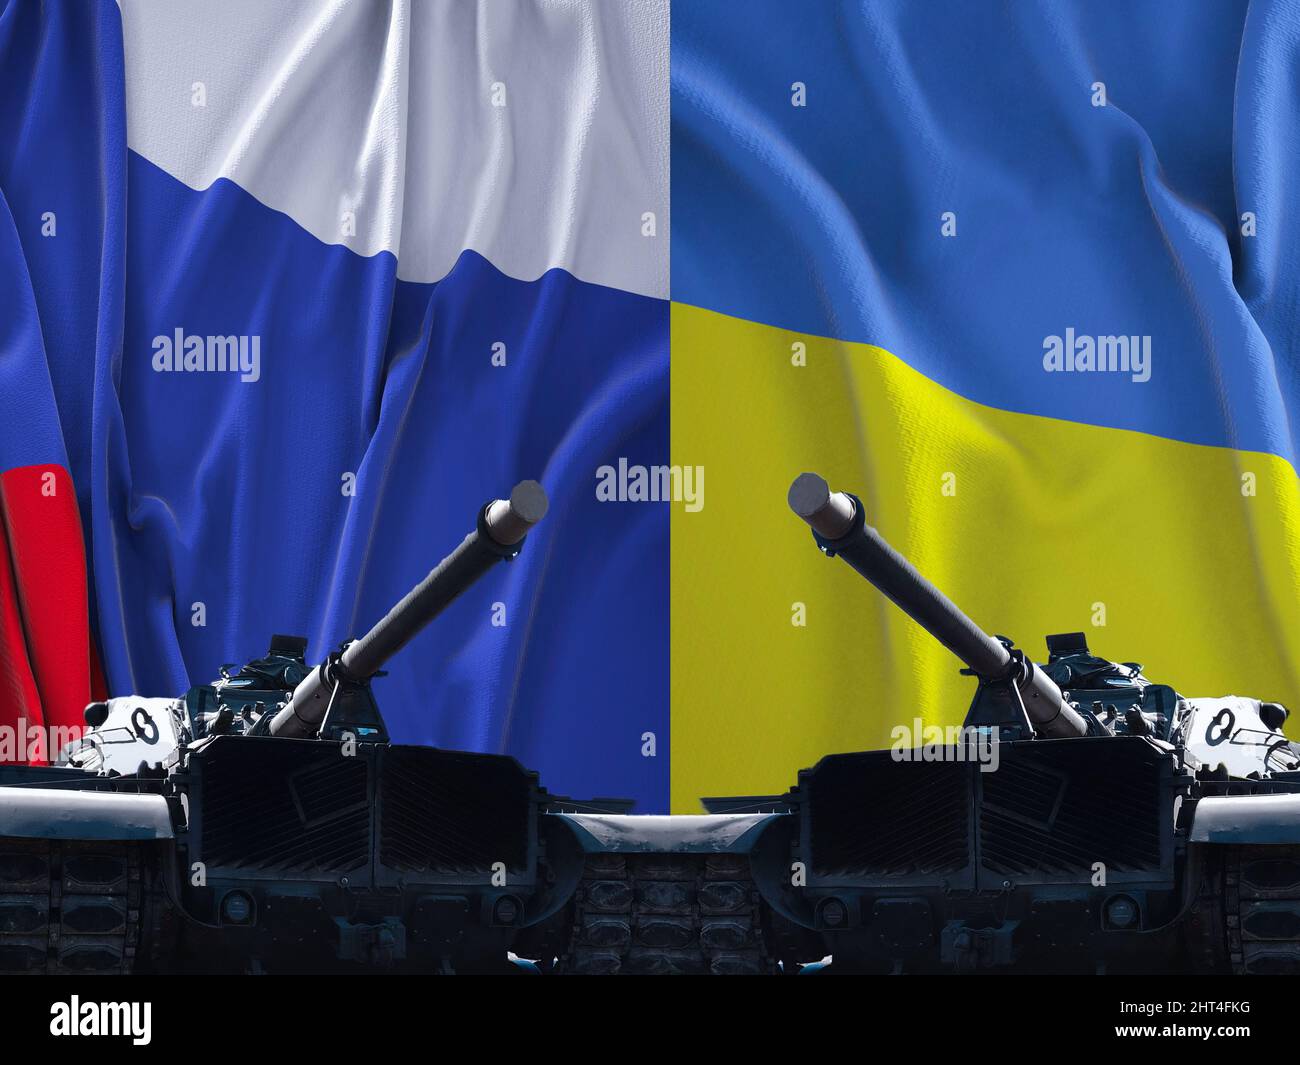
(840, 528)
(499, 534)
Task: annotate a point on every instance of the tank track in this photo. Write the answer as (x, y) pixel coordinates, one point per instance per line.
(666, 914)
(1262, 909)
(69, 907)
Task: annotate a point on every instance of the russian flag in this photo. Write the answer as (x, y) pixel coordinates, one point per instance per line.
(290, 291)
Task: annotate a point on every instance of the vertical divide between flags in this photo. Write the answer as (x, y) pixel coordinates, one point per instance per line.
(443, 228)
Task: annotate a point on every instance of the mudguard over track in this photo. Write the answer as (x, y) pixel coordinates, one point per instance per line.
(64, 813)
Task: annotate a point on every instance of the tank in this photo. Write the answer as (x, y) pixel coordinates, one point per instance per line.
(1083, 818)
(265, 822)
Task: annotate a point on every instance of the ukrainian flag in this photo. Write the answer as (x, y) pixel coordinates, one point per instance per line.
(1023, 277)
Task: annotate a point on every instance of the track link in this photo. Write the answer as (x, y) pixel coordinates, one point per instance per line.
(1262, 907)
(666, 914)
(68, 906)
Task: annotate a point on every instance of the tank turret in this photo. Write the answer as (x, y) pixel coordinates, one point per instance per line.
(839, 527)
(498, 535)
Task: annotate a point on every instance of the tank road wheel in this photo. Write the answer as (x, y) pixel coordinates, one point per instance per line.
(664, 914)
(68, 907)
(1262, 905)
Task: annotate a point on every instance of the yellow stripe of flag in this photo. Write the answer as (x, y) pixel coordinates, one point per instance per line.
(1046, 526)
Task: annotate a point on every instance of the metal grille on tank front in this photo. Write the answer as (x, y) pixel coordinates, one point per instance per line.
(1048, 813)
(444, 813)
(873, 816)
(1054, 809)
(283, 805)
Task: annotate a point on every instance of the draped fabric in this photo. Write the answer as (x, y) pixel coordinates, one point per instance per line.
(419, 230)
(1019, 276)
(1024, 278)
